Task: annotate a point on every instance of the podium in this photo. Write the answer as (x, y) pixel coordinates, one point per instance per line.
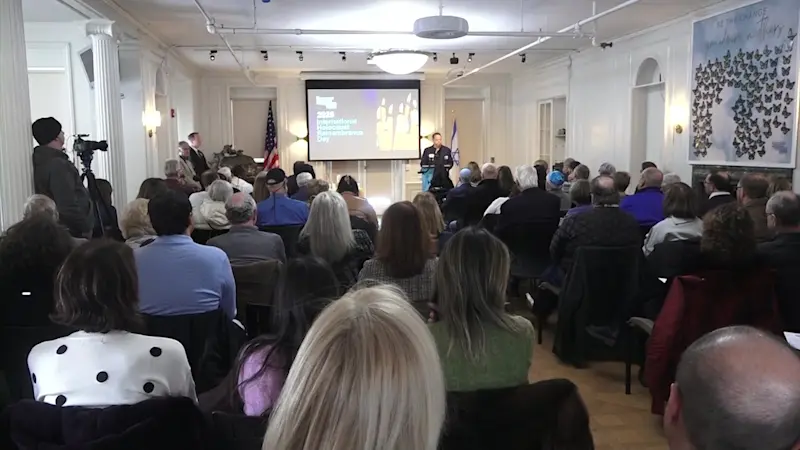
(427, 176)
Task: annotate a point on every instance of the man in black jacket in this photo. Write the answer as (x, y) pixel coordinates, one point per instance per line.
(487, 191)
(56, 177)
(718, 188)
(531, 206)
(196, 156)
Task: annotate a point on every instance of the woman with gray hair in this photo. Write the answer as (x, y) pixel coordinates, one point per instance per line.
(174, 177)
(211, 213)
(607, 169)
(328, 235)
(135, 224)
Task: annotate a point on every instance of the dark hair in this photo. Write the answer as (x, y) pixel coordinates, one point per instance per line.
(778, 183)
(580, 193)
(505, 178)
(721, 182)
(307, 168)
(347, 184)
(170, 213)
(151, 187)
(105, 190)
(192, 135)
(541, 175)
(728, 234)
(436, 134)
(680, 201)
(297, 167)
(296, 305)
(754, 185)
(582, 172)
(573, 164)
(208, 177)
(97, 289)
(621, 181)
(475, 176)
(403, 245)
(238, 171)
(647, 165)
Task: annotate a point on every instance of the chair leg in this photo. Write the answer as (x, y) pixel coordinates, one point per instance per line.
(628, 360)
(539, 327)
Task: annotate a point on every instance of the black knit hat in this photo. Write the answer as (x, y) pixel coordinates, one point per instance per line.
(46, 129)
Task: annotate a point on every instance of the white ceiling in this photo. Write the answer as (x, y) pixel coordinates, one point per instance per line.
(49, 11)
(181, 24)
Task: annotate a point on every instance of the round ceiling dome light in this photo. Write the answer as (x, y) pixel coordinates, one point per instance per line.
(441, 27)
(400, 62)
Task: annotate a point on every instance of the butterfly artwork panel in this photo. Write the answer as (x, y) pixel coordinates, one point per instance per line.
(744, 99)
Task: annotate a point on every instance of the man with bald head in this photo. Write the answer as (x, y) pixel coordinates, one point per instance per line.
(736, 388)
(782, 254)
(245, 243)
(647, 204)
(479, 199)
(605, 225)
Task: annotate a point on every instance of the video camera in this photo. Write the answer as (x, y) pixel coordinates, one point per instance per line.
(85, 149)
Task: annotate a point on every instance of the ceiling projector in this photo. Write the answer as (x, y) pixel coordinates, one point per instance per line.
(441, 27)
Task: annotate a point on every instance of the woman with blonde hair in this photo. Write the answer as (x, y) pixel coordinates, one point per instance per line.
(432, 221)
(367, 376)
(327, 234)
(135, 224)
(481, 346)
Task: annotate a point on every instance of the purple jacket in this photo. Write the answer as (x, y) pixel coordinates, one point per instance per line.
(647, 206)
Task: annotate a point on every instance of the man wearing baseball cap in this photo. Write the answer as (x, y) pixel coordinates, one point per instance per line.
(279, 209)
(555, 180)
(56, 177)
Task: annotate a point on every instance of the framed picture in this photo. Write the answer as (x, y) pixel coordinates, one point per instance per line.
(744, 99)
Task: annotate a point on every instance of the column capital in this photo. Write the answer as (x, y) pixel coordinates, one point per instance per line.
(100, 27)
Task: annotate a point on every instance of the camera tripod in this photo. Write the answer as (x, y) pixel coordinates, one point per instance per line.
(100, 208)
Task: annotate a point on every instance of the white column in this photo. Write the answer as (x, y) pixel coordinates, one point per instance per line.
(108, 107)
(16, 173)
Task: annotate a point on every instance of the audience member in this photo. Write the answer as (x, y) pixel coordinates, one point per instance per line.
(455, 202)
(777, 184)
(752, 194)
(476, 174)
(236, 176)
(135, 224)
(151, 187)
(432, 221)
(279, 209)
(605, 225)
(356, 206)
(647, 204)
(260, 190)
(482, 196)
(305, 287)
(480, 345)
(206, 178)
(196, 156)
(56, 177)
(291, 181)
(41, 204)
(648, 165)
(542, 163)
(367, 376)
(783, 254)
(211, 213)
(681, 223)
(581, 197)
(735, 388)
(302, 186)
(622, 180)
(403, 257)
(580, 172)
(607, 169)
(244, 243)
(31, 252)
(505, 179)
(670, 179)
(531, 206)
(105, 362)
(555, 180)
(717, 186)
(190, 175)
(316, 187)
(328, 235)
(108, 225)
(541, 175)
(176, 275)
(174, 177)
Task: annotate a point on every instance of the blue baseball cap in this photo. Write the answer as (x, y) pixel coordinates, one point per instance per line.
(555, 178)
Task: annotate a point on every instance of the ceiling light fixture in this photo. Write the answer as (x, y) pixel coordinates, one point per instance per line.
(265, 55)
(469, 58)
(212, 55)
(523, 57)
(300, 56)
(344, 56)
(400, 62)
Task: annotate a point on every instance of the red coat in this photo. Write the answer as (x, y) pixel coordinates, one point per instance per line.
(699, 304)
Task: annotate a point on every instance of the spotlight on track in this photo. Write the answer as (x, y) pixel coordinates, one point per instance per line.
(435, 57)
(344, 56)
(212, 55)
(265, 55)
(454, 59)
(300, 56)
(523, 57)
(469, 58)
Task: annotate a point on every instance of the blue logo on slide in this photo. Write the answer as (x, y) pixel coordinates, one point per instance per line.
(327, 102)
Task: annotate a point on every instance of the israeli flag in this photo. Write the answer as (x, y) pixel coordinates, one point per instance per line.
(454, 146)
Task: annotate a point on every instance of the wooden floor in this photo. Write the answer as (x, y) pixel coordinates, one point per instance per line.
(618, 421)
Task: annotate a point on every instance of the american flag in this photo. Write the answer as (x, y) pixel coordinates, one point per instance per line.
(271, 143)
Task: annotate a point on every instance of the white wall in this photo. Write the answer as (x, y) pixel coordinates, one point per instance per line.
(598, 85)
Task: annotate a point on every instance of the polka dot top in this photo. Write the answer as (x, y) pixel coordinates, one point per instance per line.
(104, 369)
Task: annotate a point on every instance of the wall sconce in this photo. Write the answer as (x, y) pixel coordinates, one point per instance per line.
(678, 115)
(678, 129)
(151, 120)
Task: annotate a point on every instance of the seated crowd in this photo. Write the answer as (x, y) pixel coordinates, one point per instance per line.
(415, 305)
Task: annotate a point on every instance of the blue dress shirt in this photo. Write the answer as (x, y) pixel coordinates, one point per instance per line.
(178, 276)
(279, 209)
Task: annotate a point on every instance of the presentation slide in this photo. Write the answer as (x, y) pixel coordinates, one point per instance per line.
(363, 123)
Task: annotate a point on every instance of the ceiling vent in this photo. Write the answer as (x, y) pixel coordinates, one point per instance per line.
(441, 27)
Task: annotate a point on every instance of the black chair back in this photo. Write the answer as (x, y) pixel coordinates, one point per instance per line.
(237, 431)
(17, 343)
(255, 288)
(289, 234)
(358, 223)
(529, 244)
(202, 236)
(598, 298)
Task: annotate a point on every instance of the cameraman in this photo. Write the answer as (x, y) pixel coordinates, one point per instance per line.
(56, 177)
